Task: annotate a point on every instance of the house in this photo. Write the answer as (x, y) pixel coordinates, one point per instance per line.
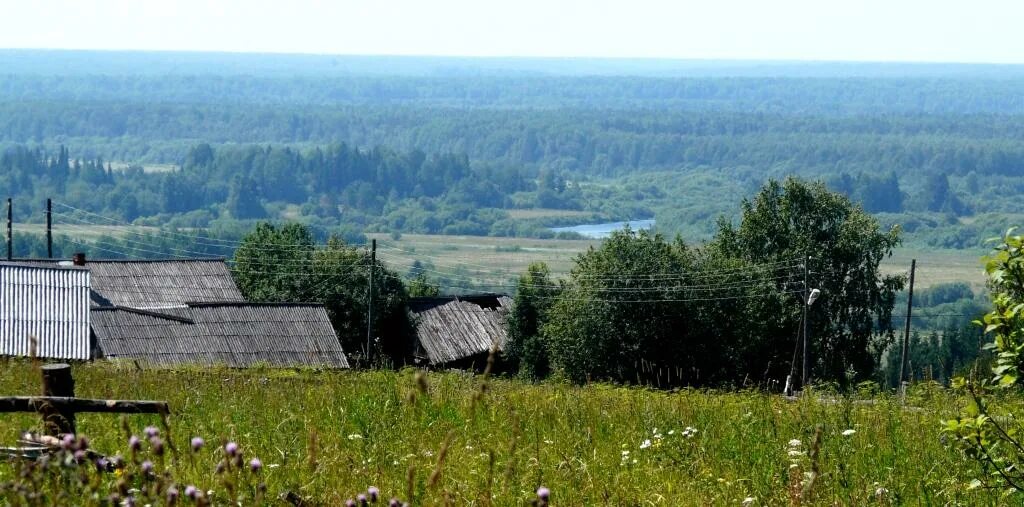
(459, 331)
(160, 312)
(44, 312)
(236, 335)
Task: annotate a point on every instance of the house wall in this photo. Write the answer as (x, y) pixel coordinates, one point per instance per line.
(47, 305)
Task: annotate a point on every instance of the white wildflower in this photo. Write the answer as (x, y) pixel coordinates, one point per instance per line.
(793, 453)
(549, 442)
(645, 444)
(795, 443)
(355, 436)
(849, 432)
(671, 432)
(881, 492)
(748, 501)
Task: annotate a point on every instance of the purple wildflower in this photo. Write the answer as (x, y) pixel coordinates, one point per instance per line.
(373, 493)
(394, 503)
(197, 443)
(361, 498)
(191, 492)
(172, 494)
(231, 448)
(255, 465)
(543, 493)
(147, 467)
(67, 441)
(102, 465)
(221, 466)
(350, 503)
(158, 445)
(134, 443)
(129, 501)
(79, 456)
(151, 431)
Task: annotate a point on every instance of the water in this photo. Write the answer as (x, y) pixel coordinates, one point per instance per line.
(599, 231)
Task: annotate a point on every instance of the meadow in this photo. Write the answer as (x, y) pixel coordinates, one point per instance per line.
(460, 439)
(501, 260)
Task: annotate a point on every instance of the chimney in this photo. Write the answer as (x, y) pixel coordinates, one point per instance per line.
(78, 259)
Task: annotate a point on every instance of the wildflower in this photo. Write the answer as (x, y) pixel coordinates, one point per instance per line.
(849, 432)
(549, 442)
(748, 501)
(191, 492)
(543, 493)
(795, 443)
(67, 442)
(373, 493)
(134, 443)
(151, 431)
(221, 466)
(671, 432)
(880, 493)
(79, 456)
(355, 436)
(129, 501)
(172, 494)
(255, 465)
(393, 503)
(231, 449)
(645, 444)
(147, 467)
(197, 443)
(158, 445)
(102, 465)
(793, 453)
(350, 503)
(361, 498)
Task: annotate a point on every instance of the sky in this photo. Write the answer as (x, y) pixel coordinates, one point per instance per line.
(982, 31)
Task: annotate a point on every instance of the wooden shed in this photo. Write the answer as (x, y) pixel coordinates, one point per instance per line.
(459, 331)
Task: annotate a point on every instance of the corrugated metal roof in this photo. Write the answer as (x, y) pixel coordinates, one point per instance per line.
(230, 334)
(157, 283)
(454, 328)
(47, 305)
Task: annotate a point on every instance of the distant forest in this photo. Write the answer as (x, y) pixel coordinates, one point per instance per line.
(450, 145)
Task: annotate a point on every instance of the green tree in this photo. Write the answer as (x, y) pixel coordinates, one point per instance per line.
(851, 322)
(526, 348)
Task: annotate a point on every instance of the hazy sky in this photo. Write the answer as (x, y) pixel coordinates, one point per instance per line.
(879, 30)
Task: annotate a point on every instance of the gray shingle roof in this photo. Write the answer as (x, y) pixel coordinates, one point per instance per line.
(157, 283)
(454, 328)
(230, 334)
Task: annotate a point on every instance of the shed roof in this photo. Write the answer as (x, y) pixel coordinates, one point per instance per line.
(44, 312)
(230, 334)
(157, 283)
(459, 327)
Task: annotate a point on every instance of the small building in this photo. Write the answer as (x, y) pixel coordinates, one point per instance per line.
(459, 331)
(236, 335)
(44, 312)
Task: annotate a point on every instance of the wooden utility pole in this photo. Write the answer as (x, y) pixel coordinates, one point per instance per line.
(10, 230)
(369, 301)
(49, 228)
(805, 377)
(906, 327)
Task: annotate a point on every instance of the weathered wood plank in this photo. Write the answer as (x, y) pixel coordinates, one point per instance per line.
(62, 403)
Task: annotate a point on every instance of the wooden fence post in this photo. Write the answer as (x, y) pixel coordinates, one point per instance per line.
(57, 381)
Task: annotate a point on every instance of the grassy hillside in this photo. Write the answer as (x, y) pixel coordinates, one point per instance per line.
(328, 436)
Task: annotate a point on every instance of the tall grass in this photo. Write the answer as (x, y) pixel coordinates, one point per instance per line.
(327, 435)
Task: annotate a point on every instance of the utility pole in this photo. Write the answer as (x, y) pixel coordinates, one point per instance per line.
(49, 228)
(10, 230)
(805, 379)
(906, 328)
(369, 300)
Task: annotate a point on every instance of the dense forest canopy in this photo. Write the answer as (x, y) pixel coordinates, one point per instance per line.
(448, 145)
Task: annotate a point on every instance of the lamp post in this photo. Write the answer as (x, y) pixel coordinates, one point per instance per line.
(805, 378)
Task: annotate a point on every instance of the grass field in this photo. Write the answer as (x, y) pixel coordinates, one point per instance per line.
(500, 260)
(327, 436)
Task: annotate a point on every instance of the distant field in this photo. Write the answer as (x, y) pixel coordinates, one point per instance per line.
(85, 231)
(502, 259)
(147, 168)
(526, 214)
